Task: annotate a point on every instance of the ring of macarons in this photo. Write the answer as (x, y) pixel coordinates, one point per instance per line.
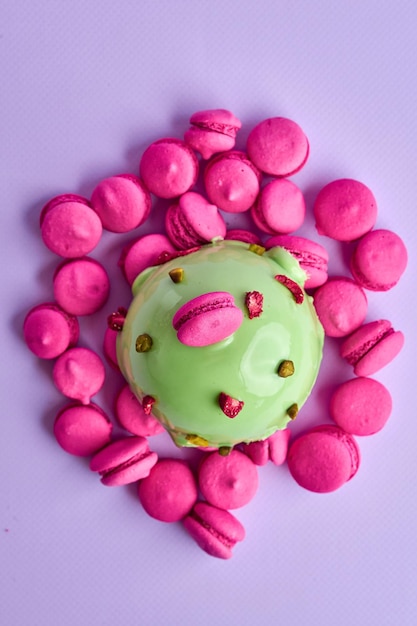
(254, 180)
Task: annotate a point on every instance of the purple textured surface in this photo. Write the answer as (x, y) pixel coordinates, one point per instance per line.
(86, 86)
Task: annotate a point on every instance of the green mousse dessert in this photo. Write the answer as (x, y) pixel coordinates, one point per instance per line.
(255, 348)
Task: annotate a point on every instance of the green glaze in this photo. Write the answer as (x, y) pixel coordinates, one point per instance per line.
(186, 381)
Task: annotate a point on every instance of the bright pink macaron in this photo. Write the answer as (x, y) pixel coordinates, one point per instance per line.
(232, 181)
(323, 459)
(312, 257)
(240, 234)
(228, 482)
(48, 330)
(274, 448)
(132, 417)
(170, 491)
(81, 286)
(69, 226)
(341, 306)
(169, 168)
(193, 221)
(207, 319)
(79, 374)
(82, 430)
(371, 347)
(109, 348)
(122, 202)
(379, 260)
(361, 406)
(143, 253)
(124, 462)
(279, 208)
(212, 131)
(345, 210)
(278, 146)
(214, 530)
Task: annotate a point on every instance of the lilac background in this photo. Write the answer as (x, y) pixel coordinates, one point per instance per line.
(85, 87)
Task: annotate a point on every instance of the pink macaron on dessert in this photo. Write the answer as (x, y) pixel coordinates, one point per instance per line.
(193, 221)
(312, 257)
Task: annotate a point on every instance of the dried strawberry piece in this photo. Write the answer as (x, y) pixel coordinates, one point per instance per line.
(230, 406)
(164, 257)
(254, 301)
(116, 319)
(295, 289)
(147, 404)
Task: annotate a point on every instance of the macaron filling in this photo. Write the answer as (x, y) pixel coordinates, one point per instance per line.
(356, 355)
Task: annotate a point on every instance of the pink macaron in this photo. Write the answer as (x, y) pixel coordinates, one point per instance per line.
(48, 330)
(81, 286)
(193, 221)
(312, 257)
(69, 226)
(279, 208)
(371, 347)
(169, 168)
(142, 253)
(132, 417)
(124, 462)
(82, 430)
(278, 146)
(228, 482)
(207, 319)
(341, 306)
(214, 530)
(361, 406)
(122, 202)
(79, 374)
(379, 260)
(212, 131)
(232, 181)
(240, 234)
(170, 491)
(323, 459)
(274, 448)
(109, 348)
(345, 210)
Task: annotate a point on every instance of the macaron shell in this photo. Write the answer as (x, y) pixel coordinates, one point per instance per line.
(323, 459)
(142, 253)
(312, 256)
(48, 330)
(81, 286)
(232, 181)
(79, 374)
(278, 146)
(279, 207)
(341, 306)
(228, 482)
(82, 430)
(132, 417)
(379, 260)
(361, 406)
(122, 202)
(382, 353)
(193, 221)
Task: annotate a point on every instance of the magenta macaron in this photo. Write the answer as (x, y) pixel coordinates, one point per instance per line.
(69, 226)
(341, 306)
(312, 257)
(232, 181)
(361, 406)
(212, 131)
(345, 210)
(82, 430)
(215, 530)
(379, 260)
(170, 491)
(193, 221)
(207, 319)
(81, 286)
(123, 462)
(132, 417)
(278, 146)
(168, 168)
(48, 330)
(122, 202)
(279, 207)
(228, 482)
(274, 448)
(142, 253)
(323, 459)
(79, 374)
(371, 347)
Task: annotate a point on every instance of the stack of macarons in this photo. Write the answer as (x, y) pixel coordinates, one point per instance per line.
(252, 179)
